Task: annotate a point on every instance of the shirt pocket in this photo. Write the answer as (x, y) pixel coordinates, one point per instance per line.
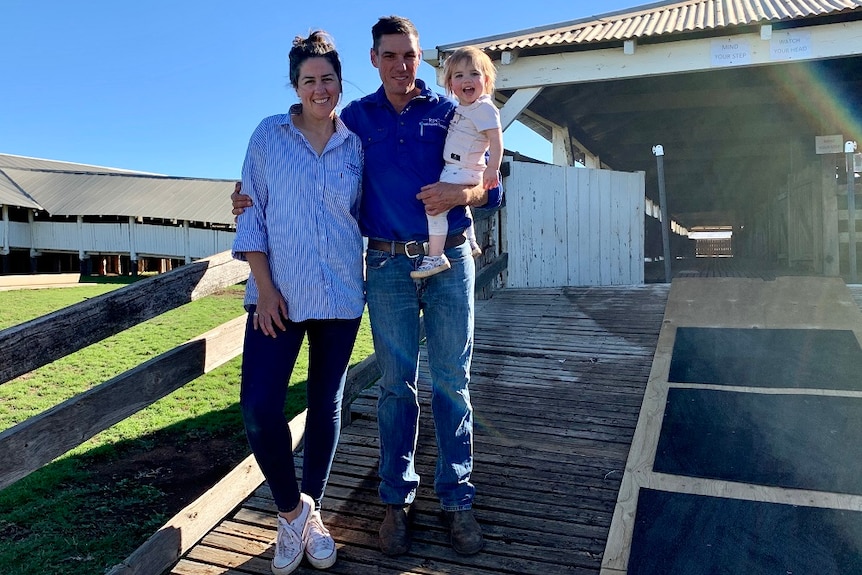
(375, 137)
(344, 178)
(343, 188)
(432, 132)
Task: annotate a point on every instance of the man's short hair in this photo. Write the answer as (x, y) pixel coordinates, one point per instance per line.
(392, 25)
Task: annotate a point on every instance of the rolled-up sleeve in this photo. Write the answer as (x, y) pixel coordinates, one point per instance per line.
(251, 234)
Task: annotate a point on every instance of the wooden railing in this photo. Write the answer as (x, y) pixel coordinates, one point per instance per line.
(37, 441)
(31, 444)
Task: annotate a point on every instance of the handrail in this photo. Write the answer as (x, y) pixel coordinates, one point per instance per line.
(35, 343)
(26, 447)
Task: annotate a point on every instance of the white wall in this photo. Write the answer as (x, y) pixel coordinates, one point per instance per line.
(114, 238)
(568, 226)
(19, 235)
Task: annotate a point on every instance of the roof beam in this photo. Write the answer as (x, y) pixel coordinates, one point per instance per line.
(827, 41)
(537, 123)
(683, 98)
(516, 104)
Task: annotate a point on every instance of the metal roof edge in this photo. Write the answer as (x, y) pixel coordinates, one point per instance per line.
(511, 36)
(540, 36)
(143, 175)
(67, 163)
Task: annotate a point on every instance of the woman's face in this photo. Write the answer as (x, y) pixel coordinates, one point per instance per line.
(318, 87)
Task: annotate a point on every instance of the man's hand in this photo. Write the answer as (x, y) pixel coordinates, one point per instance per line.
(239, 200)
(439, 197)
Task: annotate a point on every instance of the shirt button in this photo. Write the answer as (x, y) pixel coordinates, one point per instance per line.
(401, 141)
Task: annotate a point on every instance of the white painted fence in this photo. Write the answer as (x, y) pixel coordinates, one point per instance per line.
(568, 226)
(119, 238)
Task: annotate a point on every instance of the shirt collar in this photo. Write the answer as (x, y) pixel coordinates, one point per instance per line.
(479, 101)
(296, 109)
(340, 128)
(425, 93)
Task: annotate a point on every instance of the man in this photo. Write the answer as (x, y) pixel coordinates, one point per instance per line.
(403, 127)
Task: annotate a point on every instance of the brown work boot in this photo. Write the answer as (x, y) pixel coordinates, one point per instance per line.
(465, 533)
(395, 530)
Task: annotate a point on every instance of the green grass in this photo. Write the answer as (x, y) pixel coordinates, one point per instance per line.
(71, 515)
(18, 306)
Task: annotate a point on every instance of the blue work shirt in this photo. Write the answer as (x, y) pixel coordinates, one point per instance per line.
(304, 219)
(403, 152)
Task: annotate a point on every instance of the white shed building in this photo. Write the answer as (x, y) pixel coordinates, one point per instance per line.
(61, 216)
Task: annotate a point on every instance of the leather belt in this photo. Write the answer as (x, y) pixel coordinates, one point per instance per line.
(413, 249)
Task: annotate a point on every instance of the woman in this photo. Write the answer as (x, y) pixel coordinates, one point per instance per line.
(302, 242)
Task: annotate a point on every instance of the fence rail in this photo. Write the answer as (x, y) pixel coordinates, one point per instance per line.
(35, 343)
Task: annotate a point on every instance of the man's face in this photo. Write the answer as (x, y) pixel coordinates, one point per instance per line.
(396, 59)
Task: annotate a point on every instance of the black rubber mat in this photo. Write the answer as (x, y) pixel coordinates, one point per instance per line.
(789, 358)
(681, 534)
(799, 441)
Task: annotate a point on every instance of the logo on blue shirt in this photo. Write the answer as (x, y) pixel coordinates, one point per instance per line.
(432, 123)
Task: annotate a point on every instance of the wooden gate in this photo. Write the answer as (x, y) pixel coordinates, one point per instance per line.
(804, 221)
(568, 226)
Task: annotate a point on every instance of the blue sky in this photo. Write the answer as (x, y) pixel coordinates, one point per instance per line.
(177, 86)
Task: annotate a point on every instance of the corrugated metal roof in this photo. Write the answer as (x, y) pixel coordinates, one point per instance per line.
(10, 195)
(13, 161)
(63, 193)
(71, 189)
(659, 19)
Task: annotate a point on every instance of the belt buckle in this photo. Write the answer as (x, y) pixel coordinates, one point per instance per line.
(423, 249)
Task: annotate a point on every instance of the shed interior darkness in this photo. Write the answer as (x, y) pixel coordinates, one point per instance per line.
(731, 136)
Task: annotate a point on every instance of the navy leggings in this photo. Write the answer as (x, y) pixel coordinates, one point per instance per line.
(267, 364)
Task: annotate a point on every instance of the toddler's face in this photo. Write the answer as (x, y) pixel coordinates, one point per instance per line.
(468, 82)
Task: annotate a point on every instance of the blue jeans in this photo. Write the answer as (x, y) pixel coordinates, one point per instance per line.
(267, 364)
(446, 300)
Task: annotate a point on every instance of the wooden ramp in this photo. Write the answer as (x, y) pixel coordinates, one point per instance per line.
(746, 457)
(558, 380)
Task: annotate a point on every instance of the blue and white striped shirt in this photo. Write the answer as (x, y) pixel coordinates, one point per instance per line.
(304, 219)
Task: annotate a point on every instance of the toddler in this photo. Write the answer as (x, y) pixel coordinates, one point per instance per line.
(474, 130)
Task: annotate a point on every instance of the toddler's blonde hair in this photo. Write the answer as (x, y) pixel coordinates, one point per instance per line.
(478, 58)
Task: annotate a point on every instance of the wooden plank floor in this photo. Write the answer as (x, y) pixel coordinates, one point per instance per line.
(558, 379)
(558, 382)
(720, 267)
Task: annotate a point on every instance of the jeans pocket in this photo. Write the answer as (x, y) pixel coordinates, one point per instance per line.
(376, 259)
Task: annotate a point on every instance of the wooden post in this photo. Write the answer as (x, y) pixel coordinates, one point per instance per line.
(829, 196)
(665, 219)
(849, 150)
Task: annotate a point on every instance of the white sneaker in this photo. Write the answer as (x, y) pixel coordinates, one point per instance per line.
(289, 544)
(431, 265)
(319, 545)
